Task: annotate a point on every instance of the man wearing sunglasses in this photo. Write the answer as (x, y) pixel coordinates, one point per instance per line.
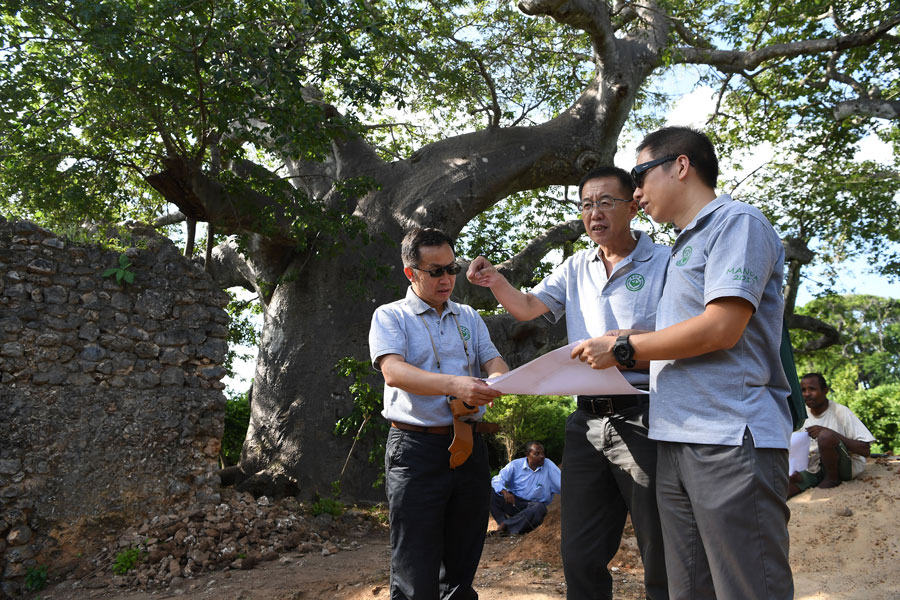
(718, 390)
(609, 463)
(432, 351)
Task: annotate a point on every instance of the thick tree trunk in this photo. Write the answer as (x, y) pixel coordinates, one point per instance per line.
(311, 321)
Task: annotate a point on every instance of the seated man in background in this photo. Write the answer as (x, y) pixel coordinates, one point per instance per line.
(523, 489)
(839, 441)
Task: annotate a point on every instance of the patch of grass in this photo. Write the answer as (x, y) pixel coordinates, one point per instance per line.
(36, 578)
(126, 560)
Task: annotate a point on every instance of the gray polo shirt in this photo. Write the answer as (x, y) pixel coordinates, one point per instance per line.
(398, 328)
(594, 303)
(728, 250)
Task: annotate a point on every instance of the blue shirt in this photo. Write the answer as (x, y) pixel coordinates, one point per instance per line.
(536, 486)
(729, 250)
(407, 327)
(594, 303)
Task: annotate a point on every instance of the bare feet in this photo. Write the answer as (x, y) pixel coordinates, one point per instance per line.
(829, 483)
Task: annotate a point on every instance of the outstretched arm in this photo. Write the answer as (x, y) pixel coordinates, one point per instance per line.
(520, 305)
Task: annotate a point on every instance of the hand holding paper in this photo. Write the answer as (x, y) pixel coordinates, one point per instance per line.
(558, 374)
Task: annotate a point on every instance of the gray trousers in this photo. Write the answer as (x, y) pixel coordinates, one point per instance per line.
(608, 470)
(438, 516)
(520, 517)
(724, 517)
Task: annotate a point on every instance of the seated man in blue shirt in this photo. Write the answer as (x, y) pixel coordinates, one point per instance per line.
(522, 491)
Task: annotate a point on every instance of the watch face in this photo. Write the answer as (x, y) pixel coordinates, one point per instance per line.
(621, 351)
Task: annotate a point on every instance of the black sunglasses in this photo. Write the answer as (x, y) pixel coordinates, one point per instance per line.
(638, 173)
(451, 269)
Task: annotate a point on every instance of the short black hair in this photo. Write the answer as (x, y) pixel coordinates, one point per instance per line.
(818, 376)
(531, 445)
(675, 141)
(608, 171)
(418, 237)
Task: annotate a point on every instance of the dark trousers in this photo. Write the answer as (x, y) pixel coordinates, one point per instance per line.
(608, 470)
(438, 516)
(725, 517)
(521, 516)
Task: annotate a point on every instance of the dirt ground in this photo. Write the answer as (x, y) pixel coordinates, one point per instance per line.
(844, 546)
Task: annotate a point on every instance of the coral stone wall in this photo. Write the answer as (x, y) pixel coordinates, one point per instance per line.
(110, 401)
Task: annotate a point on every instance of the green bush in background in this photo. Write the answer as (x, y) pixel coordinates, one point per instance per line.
(526, 418)
(879, 409)
(237, 419)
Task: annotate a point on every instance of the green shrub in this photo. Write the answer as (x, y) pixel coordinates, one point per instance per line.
(365, 418)
(329, 504)
(879, 410)
(36, 578)
(126, 560)
(525, 418)
(237, 419)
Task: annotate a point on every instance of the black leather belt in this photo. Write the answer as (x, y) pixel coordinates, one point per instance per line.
(610, 405)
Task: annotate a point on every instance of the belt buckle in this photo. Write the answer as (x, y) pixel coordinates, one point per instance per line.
(597, 402)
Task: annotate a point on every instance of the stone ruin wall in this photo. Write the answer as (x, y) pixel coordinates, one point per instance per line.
(111, 404)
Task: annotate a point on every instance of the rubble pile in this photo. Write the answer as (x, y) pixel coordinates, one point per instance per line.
(238, 533)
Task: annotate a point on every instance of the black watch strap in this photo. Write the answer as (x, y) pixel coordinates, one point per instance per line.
(624, 351)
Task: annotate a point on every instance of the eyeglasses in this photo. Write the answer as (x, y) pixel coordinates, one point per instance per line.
(640, 171)
(451, 269)
(602, 203)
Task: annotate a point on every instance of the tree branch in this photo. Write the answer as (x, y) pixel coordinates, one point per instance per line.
(169, 219)
(736, 61)
(867, 107)
(828, 334)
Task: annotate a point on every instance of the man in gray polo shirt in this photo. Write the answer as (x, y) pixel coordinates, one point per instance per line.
(431, 349)
(609, 463)
(718, 391)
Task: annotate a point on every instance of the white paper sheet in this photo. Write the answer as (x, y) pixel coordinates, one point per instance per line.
(557, 374)
(798, 456)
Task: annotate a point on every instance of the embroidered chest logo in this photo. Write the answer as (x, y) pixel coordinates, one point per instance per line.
(742, 274)
(685, 256)
(464, 332)
(634, 282)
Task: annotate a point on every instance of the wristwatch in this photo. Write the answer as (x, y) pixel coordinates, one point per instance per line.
(624, 351)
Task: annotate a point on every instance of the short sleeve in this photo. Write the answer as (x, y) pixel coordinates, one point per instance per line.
(387, 335)
(552, 291)
(740, 259)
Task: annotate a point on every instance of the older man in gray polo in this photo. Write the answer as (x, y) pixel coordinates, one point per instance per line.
(432, 350)
(609, 462)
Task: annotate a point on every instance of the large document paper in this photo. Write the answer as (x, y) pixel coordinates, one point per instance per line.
(798, 456)
(557, 374)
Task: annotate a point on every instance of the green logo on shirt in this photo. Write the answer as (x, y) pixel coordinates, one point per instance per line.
(634, 282)
(685, 256)
(742, 274)
(465, 333)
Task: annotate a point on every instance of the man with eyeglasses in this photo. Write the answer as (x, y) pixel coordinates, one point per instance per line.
(431, 352)
(717, 388)
(609, 463)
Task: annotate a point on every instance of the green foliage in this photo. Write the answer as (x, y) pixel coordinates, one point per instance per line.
(126, 560)
(36, 578)
(329, 504)
(243, 330)
(96, 96)
(879, 410)
(528, 418)
(363, 421)
(866, 355)
(121, 272)
(237, 419)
